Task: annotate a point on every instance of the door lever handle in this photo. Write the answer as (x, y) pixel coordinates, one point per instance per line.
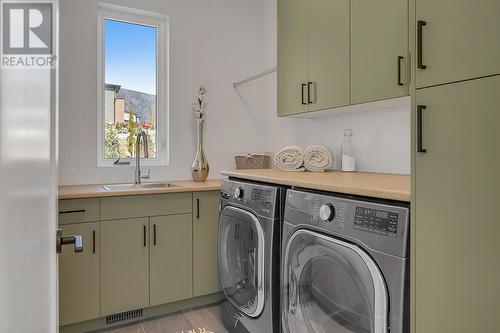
(76, 240)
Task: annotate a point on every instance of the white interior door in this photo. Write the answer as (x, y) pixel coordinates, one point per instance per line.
(28, 169)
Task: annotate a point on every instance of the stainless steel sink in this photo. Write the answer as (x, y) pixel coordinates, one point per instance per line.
(128, 187)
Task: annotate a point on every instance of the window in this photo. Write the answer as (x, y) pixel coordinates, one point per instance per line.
(132, 85)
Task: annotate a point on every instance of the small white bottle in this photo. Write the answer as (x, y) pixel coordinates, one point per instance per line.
(348, 160)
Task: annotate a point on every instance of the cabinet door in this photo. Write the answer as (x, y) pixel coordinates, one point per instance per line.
(79, 297)
(124, 265)
(460, 40)
(205, 227)
(171, 259)
(457, 222)
(292, 57)
(379, 48)
(328, 61)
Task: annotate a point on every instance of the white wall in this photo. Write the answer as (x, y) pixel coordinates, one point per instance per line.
(217, 41)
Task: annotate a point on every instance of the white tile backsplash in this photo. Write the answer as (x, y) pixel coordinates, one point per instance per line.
(217, 42)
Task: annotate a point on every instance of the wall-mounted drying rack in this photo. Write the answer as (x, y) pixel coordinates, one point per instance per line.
(254, 77)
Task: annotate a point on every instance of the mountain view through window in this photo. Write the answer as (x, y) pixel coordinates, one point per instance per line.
(130, 97)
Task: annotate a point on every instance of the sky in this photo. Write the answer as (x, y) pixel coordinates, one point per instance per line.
(130, 56)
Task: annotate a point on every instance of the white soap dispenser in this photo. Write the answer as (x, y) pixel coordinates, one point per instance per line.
(348, 160)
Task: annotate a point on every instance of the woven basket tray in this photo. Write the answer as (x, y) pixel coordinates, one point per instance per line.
(252, 161)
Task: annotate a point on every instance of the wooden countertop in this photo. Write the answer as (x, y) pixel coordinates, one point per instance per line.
(377, 185)
(96, 191)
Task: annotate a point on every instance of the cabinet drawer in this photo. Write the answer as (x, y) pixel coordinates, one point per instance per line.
(79, 210)
(145, 205)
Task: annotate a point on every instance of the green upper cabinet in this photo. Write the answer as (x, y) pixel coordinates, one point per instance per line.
(459, 40)
(292, 56)
(328, 35)
(205, 233)
(379, 50)
(313, 55)
(334, 53)
(456, 200)
(79, 291)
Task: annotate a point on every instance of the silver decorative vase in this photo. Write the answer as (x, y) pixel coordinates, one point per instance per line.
(200, 168)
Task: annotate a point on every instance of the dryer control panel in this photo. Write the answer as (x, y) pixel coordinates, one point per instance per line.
(382, 226)
(379, 221)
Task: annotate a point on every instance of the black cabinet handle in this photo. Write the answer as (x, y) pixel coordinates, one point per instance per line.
(309, 100)
(420, 109)
(302, 92)
(154, 234)
(144, 234)
(93, 241)
(72, 211)
(197, 208)
(420, 61)
(400, 82)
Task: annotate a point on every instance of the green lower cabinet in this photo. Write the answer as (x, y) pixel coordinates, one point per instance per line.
(456, 227)
(124, 265)
(170, 259)
(205, 233)
(161, 260)
(79, 292)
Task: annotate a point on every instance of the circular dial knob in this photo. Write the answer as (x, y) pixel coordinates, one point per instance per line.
(327, 212)
(238, 193)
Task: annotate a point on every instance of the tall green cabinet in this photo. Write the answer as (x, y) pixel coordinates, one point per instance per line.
(455, 166)
(457, 263)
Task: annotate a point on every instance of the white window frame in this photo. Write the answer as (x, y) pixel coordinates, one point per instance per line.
(160, 22)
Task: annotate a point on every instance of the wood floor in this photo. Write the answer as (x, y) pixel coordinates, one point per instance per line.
(203, 320)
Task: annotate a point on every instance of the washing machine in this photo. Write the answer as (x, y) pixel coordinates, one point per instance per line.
(249, 255)
(345, 264)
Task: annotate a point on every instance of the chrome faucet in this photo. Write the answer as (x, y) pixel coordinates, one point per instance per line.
(138, 173)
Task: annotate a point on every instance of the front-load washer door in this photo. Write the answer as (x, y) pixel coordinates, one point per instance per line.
(331, 286)
(241, 259)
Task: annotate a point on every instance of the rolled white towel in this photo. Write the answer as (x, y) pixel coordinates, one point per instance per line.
(290, 159)
(317, 158)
